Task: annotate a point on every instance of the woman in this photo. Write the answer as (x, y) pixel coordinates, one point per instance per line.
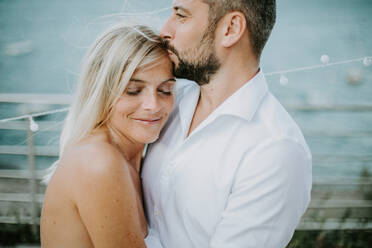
(124, 98)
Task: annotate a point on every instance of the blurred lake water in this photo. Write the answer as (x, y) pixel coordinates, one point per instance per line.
(42, 43)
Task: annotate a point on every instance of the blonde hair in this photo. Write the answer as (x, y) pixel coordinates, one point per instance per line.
(106, 70)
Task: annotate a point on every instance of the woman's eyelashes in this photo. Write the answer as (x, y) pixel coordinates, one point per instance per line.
(133, 92)
(165, 90)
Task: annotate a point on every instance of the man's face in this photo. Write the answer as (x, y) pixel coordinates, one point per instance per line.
(190, 41)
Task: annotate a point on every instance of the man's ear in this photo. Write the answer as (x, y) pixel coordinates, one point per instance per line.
(233, 27)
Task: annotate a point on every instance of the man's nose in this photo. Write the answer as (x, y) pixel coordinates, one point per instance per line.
(166, 30)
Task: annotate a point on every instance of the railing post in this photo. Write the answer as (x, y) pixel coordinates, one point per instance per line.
(32, 176)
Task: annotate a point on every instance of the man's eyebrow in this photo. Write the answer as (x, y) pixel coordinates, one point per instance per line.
(179, 7)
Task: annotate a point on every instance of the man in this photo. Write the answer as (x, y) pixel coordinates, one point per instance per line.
(231, 168)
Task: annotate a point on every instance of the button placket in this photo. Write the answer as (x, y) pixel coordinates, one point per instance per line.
(162, 186)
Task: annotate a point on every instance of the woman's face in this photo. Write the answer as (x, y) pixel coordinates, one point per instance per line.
(144, 107)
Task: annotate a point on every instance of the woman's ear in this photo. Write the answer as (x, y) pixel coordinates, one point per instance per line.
(234, 26)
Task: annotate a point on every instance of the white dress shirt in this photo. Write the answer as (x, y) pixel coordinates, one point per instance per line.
(242, 178)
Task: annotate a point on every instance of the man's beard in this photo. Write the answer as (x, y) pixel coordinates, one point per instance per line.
(201, 64)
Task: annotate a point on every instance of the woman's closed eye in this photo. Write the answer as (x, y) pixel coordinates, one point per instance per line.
(165, 92)
(167, 88)
(133, 91)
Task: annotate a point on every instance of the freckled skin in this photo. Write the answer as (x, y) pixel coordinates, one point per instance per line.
(71, 212)
(94, 198)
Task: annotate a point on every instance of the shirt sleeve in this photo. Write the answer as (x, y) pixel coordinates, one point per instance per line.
(270, 193)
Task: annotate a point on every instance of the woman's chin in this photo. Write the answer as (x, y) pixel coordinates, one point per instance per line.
(148, 139)
(152, 140)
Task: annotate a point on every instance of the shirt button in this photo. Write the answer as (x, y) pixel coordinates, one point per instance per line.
(156, 212)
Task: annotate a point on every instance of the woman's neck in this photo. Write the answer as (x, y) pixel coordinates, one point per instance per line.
(131, 150)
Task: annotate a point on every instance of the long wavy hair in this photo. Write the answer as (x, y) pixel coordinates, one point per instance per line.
(106, 70)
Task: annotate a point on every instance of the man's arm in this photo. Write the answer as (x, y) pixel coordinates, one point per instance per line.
(270, 193)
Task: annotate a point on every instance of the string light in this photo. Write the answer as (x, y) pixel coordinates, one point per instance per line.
(33, 125)
(312, 67)
(283, 80)
(367, 61)
(35, 115)
(324, 59)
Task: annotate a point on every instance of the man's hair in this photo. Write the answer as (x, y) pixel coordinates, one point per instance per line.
(260, 16)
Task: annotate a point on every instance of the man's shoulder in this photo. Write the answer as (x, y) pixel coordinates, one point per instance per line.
(275, 117)
(277, 123)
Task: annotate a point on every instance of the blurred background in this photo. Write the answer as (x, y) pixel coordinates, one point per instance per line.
(317, 63)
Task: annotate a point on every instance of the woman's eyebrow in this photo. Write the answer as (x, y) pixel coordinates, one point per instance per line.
(136, 80)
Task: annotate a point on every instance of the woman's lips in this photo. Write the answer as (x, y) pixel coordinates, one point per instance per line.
(152, 121)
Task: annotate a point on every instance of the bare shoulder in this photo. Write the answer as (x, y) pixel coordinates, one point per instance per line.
(92, 153)
(95, 180)
(89, 164)
(92, 157)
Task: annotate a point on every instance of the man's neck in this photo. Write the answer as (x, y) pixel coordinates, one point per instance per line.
(225, 82)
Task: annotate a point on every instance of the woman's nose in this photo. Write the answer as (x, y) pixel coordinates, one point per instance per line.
(151, 102)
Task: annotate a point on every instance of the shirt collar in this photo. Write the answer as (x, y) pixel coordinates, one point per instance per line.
(243, 103)
(246, 100)
(188, 98)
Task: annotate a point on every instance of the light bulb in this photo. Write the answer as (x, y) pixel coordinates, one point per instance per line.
(33, 125)
(283, 80)
(367, 61)
(324, 59)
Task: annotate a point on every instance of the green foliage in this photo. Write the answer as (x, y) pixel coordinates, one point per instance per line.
(365, 175)
(331, 239)
(12, 234)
